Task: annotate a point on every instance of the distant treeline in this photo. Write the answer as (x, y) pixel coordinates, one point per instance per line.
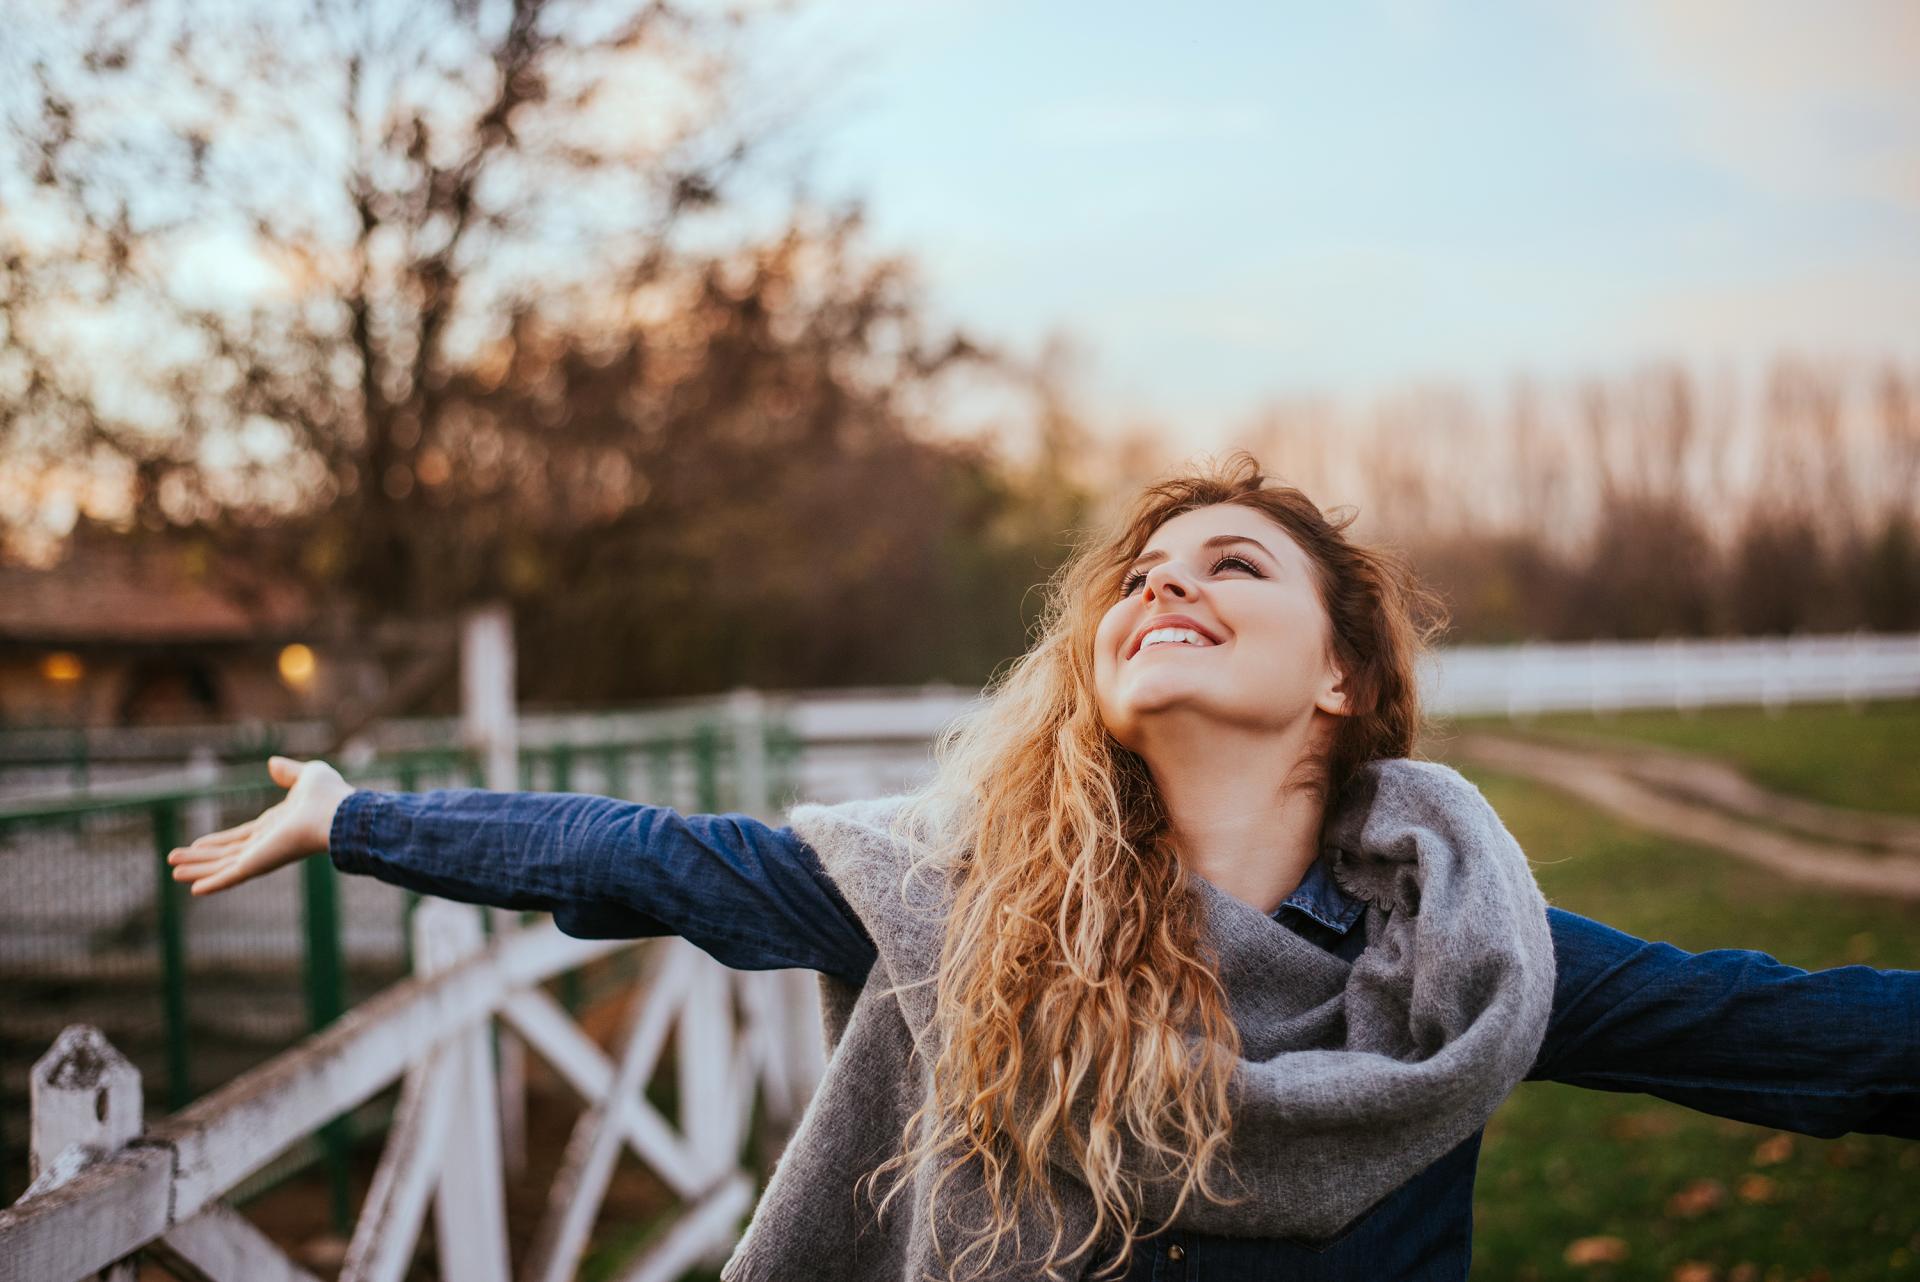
(1660, 504)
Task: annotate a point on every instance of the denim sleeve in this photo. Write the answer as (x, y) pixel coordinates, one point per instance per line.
(1734, 1032)
(753, 896)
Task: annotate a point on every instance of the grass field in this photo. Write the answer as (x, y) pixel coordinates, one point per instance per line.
(1868, 758)
(1686, 1195)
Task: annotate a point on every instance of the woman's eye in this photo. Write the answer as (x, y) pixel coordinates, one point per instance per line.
(1135, 579)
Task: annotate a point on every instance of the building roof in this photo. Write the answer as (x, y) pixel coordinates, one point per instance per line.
(145, 589)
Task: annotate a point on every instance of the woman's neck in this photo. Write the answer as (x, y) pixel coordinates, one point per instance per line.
(1238, 817)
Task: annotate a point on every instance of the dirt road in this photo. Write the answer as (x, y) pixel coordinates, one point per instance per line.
(1707, 802)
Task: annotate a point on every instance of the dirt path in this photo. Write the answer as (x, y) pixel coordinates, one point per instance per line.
(1706, 802)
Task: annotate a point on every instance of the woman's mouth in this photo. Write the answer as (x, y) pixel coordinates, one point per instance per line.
(1171, 637)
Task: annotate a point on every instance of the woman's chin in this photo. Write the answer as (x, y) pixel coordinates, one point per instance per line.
(1163, 698)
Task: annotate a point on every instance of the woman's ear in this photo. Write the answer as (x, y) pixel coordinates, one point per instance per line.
(1332, 698)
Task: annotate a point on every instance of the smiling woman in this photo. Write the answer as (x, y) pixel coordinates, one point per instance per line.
(1111, 807)
(1211, 980)
(1304, 669)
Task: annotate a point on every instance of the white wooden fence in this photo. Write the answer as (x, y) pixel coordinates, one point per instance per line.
(1498, 680)
(105, 1184)
(1612, 676)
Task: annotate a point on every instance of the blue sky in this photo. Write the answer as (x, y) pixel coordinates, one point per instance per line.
(1226, 203)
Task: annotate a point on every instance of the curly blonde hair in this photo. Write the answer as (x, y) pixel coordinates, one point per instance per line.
(1083, 1023)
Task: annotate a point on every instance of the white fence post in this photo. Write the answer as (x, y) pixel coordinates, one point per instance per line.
(489, 725)
(781, 1007)
(86, 1104)
(486, 692)
(704, 1046)
(747, 712)
(202, 814)
(470, 1207)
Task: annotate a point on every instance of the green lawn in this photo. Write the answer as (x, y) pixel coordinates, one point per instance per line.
(1868, 758)
(1562, 1163)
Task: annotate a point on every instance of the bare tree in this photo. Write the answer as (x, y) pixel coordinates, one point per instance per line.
(257, 255)
(1887, 580)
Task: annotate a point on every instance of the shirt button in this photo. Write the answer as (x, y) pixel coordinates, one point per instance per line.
(1175, 1252)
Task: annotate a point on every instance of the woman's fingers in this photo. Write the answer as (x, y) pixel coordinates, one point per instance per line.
(225, 839)
(197, 862)
(207, 848)
(210, 875)
(234, 870)
(194, 874)
(239, 832)
(198, 866)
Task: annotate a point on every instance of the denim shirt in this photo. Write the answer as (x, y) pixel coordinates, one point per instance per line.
(1728, 1031)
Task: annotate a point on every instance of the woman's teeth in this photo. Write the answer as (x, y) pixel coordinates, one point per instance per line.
(1173, 636)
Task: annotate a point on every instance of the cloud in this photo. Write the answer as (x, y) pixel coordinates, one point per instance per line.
(1805, 100)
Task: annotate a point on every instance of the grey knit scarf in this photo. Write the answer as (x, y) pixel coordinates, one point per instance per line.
(1353, 1076)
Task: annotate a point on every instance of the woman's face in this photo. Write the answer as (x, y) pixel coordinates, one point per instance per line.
(1240, 583)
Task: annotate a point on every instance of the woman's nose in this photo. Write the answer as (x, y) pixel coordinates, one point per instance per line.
(1167, 577)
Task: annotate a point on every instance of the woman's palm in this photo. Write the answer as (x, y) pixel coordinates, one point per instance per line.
(289, 830)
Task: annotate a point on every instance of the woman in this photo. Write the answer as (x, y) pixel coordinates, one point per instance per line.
(1180, 965)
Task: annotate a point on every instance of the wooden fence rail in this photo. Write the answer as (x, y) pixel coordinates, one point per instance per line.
(105, 1186)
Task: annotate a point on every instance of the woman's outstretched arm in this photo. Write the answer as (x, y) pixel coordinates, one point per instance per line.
(751, 895)
(1734, 1032)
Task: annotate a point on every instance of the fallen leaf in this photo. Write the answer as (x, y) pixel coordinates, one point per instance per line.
(1773, 1150)
(1640, 1126)
(1758, 1188)
(1604, 1249)
(1695, 1271)
(1842, 1154)
(1745, 1271)
(1697, 1198)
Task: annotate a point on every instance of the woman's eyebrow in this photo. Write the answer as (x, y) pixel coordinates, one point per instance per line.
(1218, 540)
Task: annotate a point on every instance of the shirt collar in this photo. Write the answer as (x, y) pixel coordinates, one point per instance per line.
(1320, 897)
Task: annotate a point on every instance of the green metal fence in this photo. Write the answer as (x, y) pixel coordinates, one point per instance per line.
(94, 929)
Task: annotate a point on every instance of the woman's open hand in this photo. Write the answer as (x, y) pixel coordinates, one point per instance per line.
(289, 830)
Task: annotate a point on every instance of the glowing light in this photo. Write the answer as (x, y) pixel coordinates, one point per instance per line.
(62, 667)
(297, 666)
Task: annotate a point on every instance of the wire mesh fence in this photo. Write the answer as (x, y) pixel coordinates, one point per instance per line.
(194, 990)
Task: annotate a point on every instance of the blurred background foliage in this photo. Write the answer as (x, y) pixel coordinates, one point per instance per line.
(423, 304)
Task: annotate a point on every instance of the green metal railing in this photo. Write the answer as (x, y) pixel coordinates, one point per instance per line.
(72, 869)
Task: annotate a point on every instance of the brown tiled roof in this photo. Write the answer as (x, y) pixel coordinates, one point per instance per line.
(112, 588)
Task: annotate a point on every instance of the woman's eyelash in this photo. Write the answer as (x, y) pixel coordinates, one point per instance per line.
(1135, 579)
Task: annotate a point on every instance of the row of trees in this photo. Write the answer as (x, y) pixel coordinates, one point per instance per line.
(1660, 503)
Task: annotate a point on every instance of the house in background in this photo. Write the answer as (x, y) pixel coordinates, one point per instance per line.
(143, 630)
